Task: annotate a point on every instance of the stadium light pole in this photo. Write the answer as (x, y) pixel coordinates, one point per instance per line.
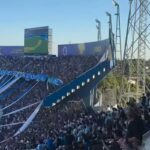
(98, 26)
(110, 24)
(118, 42)
(115, 3)
(111, 35)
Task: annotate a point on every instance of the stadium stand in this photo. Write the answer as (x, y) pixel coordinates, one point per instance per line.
(69, 125)
(18, 100)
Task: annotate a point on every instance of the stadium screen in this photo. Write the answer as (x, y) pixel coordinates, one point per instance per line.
(36, 40)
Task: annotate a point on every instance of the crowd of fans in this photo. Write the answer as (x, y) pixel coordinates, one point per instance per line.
(65, 68)
(69, 125)
(24, 93)
(72, 126)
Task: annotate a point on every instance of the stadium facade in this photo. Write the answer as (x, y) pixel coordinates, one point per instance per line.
(90, 48)
(11, 50)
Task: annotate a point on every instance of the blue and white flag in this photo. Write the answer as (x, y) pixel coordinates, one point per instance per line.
(29, 120)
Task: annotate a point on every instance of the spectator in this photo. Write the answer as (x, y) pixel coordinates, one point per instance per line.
(134, 129)
(144, 100)
(68, 125)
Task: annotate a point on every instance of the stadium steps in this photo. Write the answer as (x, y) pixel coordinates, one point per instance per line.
(81, 86)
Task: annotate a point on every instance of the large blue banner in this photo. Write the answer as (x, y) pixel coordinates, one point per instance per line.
(31, 76)
(11, 50)
(91, 48)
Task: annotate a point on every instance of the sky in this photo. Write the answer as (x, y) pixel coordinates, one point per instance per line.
(72, 21)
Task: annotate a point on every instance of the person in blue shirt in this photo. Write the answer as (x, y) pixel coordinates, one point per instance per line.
(41, 146)
(50, 144)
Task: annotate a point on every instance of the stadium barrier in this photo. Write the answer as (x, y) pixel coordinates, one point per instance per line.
(95, 74)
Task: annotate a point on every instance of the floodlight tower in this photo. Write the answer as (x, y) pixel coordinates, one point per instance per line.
(110, 21)
(136, 44)
(98, 26)
(111, 34)
(118, 33)
(110, 28)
